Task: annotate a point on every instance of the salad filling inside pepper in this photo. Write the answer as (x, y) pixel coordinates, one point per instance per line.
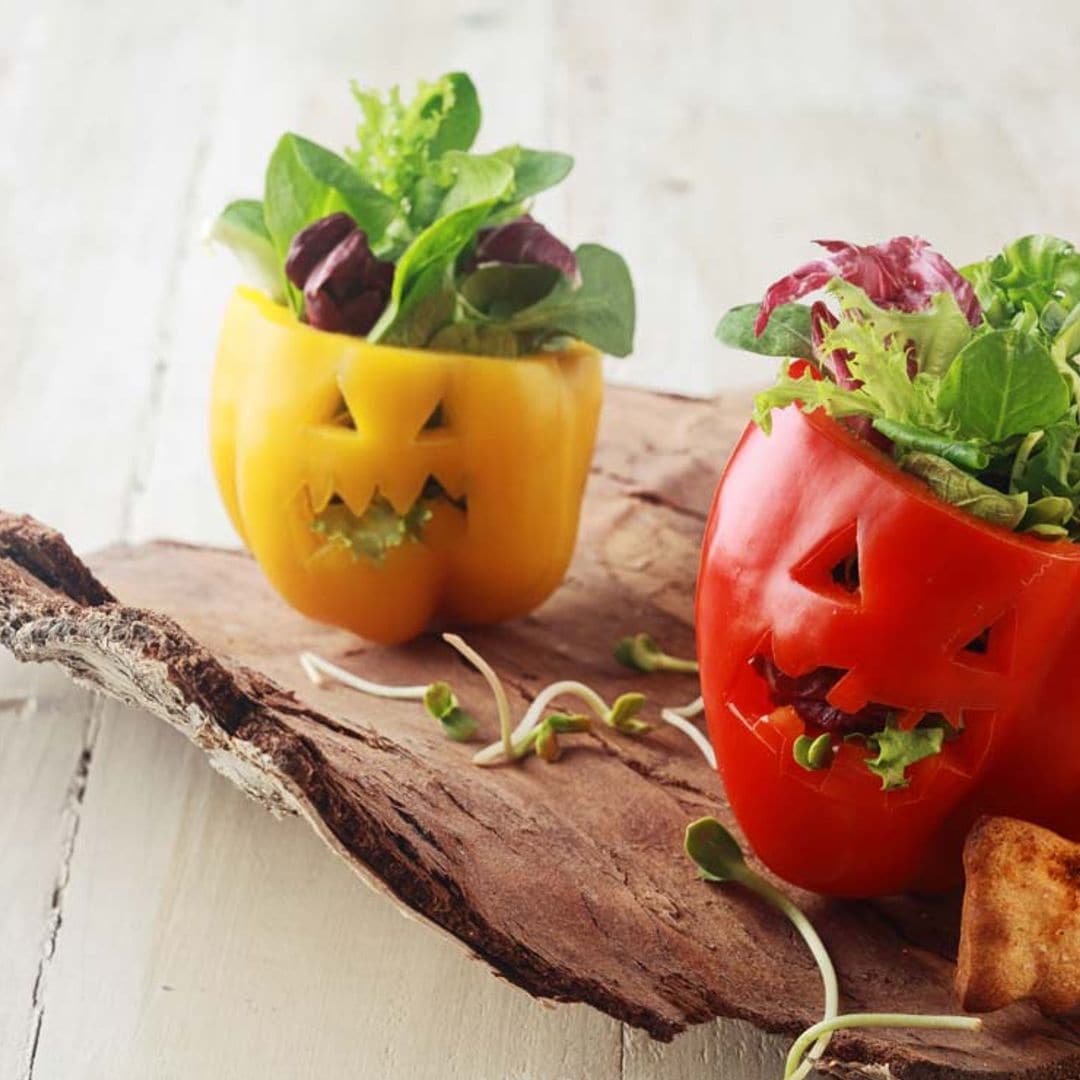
(886, 603)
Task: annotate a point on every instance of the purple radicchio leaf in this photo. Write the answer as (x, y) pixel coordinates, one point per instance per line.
(345, 287)
(524, 240)
(900, 273)
(808, 696)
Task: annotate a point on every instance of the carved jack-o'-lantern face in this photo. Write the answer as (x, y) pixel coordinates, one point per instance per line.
(820, 555)
(310, 428)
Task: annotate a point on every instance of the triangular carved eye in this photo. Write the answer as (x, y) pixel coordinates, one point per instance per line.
(846, 572)
(342, 417)
(991, 649)
(437, 421)
(832, 568)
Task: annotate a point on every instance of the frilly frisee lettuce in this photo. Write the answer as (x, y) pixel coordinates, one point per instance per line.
(472, 271)
(971, 378)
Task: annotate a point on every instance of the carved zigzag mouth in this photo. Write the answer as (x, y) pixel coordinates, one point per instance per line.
(380, 528)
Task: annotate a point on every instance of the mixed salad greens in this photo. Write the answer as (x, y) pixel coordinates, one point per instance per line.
(969, 378)
(412, 239)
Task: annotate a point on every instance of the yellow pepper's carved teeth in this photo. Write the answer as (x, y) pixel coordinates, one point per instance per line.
(431, 488)
(380, 527)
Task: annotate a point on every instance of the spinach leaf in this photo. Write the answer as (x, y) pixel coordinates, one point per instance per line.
(969, 454)
(501, 290)
(432, 305)
(1004, 383)
(241, 227)
(426, 266)
(599, 310)
(534, 170)
(474, 178)
(1050, 468)
(457, 107)
(955, 486)
(306, 182)
(788, 332)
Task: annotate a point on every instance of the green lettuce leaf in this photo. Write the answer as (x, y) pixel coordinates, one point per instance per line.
(898, 750)
(306, 182)
(810, 394)
(879, 360)
(788, 332)
(1028, 276)
(938, 332)
(1004, 383)
(377, 531)
(963, 490)
(241, 227)
(599, 309)
(397, 140)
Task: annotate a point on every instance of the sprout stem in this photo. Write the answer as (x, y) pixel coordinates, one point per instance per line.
(677, 719)
(695, 708)
(522, 735)
(502, 705)
(772, 895)
(824, 1028)
(319, 671)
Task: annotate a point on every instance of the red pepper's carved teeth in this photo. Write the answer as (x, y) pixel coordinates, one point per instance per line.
(809, 695)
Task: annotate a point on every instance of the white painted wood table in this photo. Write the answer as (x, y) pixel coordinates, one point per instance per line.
(154, 924)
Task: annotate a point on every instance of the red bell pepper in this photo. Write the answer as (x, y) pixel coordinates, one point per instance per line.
(827, 568)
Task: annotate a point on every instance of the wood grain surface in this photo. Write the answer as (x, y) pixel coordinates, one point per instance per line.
(568, 880)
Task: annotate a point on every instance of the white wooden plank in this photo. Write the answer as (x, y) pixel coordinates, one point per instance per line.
(45, 725)
(726, 1049)
(101, 139)
(235, 946)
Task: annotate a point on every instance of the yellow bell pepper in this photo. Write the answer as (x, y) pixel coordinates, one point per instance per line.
(303, 420)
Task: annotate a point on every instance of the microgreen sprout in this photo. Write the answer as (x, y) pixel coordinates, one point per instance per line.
(622, 716)
(813, 753)
(680, 718)
(641, 653)
(795, 1065)
(516, 742)
(546, 734)
(438, 698)
(319, 671)
(502, 704)
(440, 702)
(719, 858)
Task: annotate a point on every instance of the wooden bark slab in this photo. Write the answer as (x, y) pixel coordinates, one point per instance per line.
(568, 880)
